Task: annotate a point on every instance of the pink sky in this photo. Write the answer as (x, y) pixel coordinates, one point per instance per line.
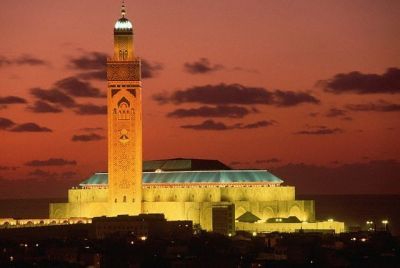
(272, 45)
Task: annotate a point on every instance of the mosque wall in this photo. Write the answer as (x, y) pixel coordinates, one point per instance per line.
(191, 203)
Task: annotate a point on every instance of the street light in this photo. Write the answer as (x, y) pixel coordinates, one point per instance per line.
(370, 226)
(385, 222)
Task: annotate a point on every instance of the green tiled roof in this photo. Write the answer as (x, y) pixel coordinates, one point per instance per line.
(184, 164)
(203, 176)
(248, 217)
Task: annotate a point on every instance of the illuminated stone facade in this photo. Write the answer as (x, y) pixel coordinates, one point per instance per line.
(183, 194)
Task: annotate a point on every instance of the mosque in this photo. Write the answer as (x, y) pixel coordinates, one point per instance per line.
(181, 189)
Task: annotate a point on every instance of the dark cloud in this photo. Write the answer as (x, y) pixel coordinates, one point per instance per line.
(54, 96)
(90, 129)
(290, 98)
(4, 61)
(24, 59)
(51, 162)
(359, 83)
(8, 168)
(87, 137)
(319, 130)
(381, 106)
(201, 66)
(93, 66)
(30, 127)
(90, 61)
(11, 100)
(258, 124)
(39, 173)
(212, 125)
(6, 123)
(207, 111)
(150, 70)
(231, 94)
(95, 75)
(335, 112)
(90, 109)
(44, 107)
(221, 94)
(360, 178)
(208, 125)
(268, 161)
(77, 88)
(29, 60)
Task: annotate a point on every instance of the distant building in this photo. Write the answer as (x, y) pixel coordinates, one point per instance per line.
(181, 189)
(223, 219)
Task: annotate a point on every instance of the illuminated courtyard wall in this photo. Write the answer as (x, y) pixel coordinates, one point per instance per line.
(190, 203)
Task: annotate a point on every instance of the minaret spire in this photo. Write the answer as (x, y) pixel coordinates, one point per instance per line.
(123, 10)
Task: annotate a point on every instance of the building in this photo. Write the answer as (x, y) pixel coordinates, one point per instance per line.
(181, 189)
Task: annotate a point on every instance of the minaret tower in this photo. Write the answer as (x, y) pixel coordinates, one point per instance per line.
(124, 112)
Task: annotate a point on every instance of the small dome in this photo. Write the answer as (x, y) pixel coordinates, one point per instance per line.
(123, 24)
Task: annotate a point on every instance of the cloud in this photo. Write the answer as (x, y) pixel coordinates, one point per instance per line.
(30, 127)
(11, 100)
(90, 61)
(359, 83)
(87, 137)
(268, 161)
(202, 66)
(290, 98)
(150, 70)
(212, 125)
(335, 112)
(24, 59)
(235, 94)
(360, 178)
(8, 168)
(319, 130)
(54, 96)
(27, 59)
(207, 111)
(44, 107)
(77, 88)
(258, 124)
(93, 66)
(90, 109)
(381, 106)
(6, 123)
(39, 173)
(96, 75)
(90, 129)
(4, 61)
(51, 162)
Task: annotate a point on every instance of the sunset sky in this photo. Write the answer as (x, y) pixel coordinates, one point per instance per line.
(307, 89)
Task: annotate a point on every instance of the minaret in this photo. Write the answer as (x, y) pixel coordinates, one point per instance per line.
(124, 112)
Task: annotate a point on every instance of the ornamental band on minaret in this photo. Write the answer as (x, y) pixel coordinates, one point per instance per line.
(124, 97)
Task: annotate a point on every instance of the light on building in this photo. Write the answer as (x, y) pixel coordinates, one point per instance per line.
(254, 233)
(330, 220)
(363, 239)
(229, 234)
(143, 238)
(353, 239)
(11, 258)
(385, 222)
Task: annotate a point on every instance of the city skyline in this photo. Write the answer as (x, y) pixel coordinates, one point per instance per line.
(299, 88)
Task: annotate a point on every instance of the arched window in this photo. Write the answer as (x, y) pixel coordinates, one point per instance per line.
(115, 200)
(124, 199)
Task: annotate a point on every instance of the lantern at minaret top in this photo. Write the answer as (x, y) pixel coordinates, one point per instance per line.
(123, 38)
